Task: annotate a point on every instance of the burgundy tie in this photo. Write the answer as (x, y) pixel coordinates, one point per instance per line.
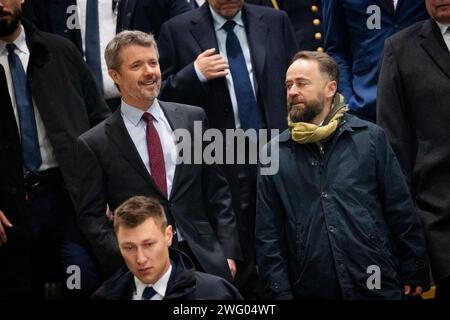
(155, 154)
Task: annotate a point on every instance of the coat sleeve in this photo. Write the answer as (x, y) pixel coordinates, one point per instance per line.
(91, 210)
(219, 206)
(401, 216)
(180, 83)
(392, 112)
(271, 243)
(337, 43)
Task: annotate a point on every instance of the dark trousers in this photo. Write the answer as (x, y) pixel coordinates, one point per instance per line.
(51, 242)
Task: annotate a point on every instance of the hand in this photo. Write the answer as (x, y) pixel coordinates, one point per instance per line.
(413, 291)
(109, 214)
(3, 222)
(232, 266)
(212, 65)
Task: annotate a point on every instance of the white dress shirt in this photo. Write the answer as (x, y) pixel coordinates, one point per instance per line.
(137, 127)
(221, 36)
(159, 286)
(395, 4)
(107, 21)
(47, 155)
(445, 31)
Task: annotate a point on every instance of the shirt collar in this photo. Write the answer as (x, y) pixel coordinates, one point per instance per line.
(134, 115)
(444, 27)
(20, 42)
(159, 286)
(219, 21)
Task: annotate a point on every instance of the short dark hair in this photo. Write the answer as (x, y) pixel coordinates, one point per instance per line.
(138, 209)
(327, 65)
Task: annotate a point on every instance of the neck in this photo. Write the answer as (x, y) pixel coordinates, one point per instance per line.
(139, 104)
(318, 120)
(13, 36)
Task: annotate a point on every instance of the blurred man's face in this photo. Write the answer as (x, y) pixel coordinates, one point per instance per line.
(305, 89)
(439, 10)
(10, 14)
(226, 8)
(145, 250)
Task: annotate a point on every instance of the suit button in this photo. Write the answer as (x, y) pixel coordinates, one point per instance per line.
(314, 8)
(316, 22)
(331, 229)
(324, 195)
(128, 14)
(317, 36)
(319, 49)
(314, 163)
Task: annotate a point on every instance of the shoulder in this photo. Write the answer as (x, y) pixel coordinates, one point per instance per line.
(96, 133)
(186, 109)
(410, 33)
(212, 287)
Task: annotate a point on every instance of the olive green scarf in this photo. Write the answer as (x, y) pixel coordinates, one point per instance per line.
(303, 132)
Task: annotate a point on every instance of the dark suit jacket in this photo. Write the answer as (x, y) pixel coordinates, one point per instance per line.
(200, 203)
(184, 283)
(69, 104)
(414, 108)
(143, 15)
(358, 50)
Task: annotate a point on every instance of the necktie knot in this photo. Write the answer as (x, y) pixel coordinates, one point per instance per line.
(10, 47)
(229, 26)
(147, 117)
(148, 293)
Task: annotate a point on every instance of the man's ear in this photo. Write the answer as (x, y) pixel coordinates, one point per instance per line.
(330, 89)
(115, 76)
(169, 235)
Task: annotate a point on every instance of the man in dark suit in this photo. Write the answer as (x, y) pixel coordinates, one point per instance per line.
(48, 99)
(413, 107)
(155, 272)
(354, 36)
(306, 18)
(134, 153)
(256, 44)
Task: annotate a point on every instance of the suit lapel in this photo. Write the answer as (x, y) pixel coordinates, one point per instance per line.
(433, 43)
(176, 122)
(202, 31)
(116, 130)
(126, 12)
(257, 32)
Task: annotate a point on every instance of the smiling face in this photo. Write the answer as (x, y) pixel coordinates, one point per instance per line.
(138, 76)
(10, 14)
(226, 8)
(145, 249)
(439, 10)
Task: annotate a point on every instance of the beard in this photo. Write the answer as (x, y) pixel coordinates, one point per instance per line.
(307, 112)
(8, 26)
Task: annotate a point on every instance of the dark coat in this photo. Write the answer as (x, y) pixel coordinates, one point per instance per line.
(184, 284)
(306, 18)
(69, 103)
(414, 108)
(358, 50)
(324, 218)
(111, 171)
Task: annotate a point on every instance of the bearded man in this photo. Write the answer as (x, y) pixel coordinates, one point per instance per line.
(337, 220)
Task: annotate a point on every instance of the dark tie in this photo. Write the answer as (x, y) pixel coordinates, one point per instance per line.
(30, 143)
(247, 106)
(92, 53)
(148, 293)
(155, 154)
